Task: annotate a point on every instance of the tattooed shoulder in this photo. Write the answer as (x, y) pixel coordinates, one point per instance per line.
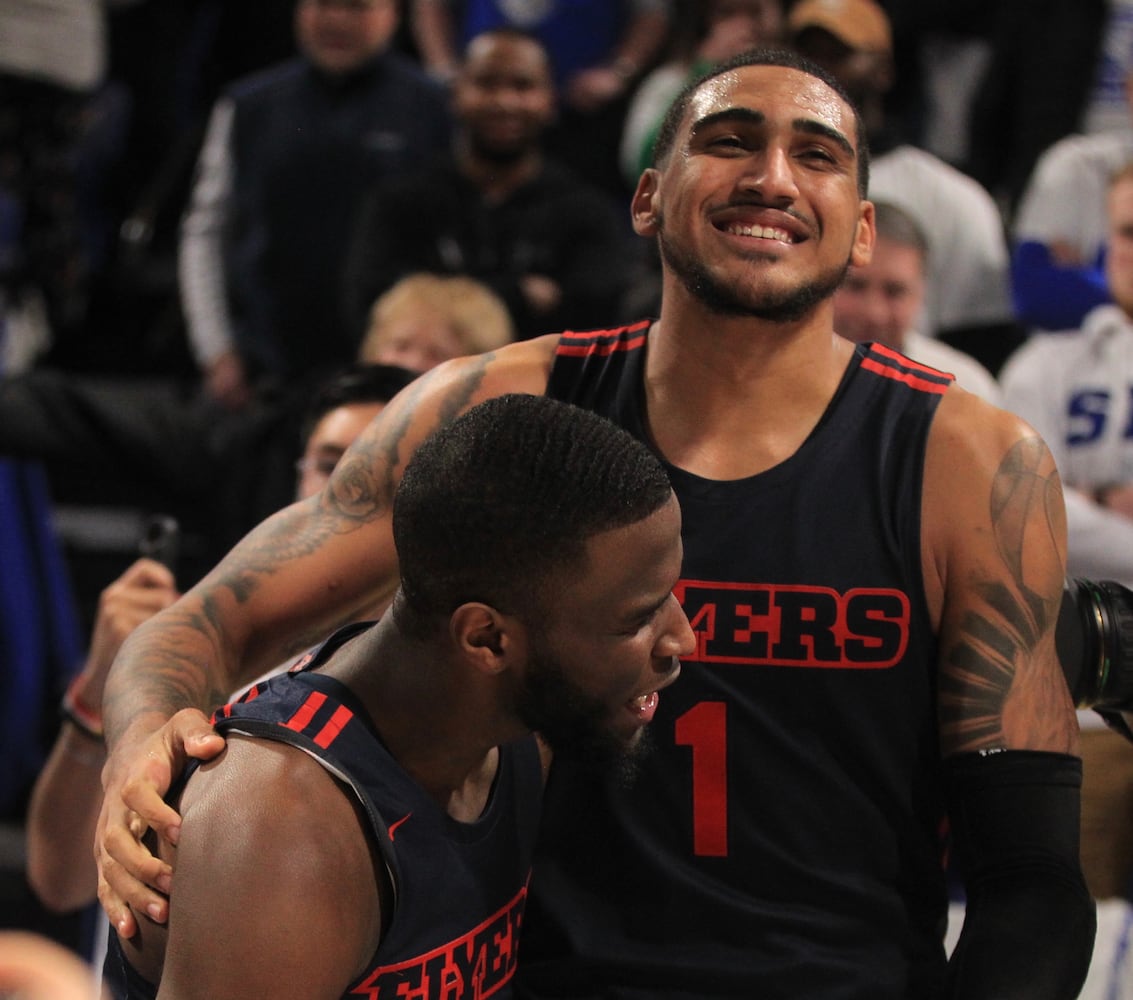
(1006, 605)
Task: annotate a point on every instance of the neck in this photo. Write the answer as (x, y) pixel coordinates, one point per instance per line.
(728, 397)
(440, 728)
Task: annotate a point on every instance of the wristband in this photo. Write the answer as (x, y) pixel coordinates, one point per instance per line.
(85, 719)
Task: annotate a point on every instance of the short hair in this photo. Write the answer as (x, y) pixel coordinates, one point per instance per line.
(786, 58)
(476, 314)
(895, 224)
(498, 504)
(513, 33)
(357, 383)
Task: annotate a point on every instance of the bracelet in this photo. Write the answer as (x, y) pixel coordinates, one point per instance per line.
(84, 718)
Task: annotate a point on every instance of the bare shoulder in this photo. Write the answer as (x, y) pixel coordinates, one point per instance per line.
(994, 556)
(265, 826)
(984, 462)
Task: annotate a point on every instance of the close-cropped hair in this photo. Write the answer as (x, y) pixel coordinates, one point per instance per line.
(502, 501)
(895, 224)
(670, 125)
(357, 383)
(508, 31)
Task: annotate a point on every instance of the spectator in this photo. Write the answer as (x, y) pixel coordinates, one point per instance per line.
(52, 59)
(1107, 104)
(1043, 59)
(715, 30)
(496, 208)
(425, 319)
(287, 157)
(968, 300)
(598, 50)
(1075, 389)
(880, 302)
(1058, 268)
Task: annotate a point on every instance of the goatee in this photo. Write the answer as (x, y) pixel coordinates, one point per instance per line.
(730, 300)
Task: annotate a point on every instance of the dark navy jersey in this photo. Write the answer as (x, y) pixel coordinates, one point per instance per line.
(459, 888)
(784, 838)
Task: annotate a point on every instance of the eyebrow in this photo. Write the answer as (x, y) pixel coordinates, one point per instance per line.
(753, 117)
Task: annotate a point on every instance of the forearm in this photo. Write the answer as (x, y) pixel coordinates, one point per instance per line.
(1029, 922)
(173, 661)
(61, 821)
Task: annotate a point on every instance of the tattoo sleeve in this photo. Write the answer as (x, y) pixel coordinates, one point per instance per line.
(177, 660)
(990, 683)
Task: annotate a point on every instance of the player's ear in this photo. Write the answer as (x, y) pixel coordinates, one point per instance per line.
(486, 637)
(864, 236)
(645, 208)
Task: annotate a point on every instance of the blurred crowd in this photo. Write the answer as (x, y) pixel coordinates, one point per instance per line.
(208, 210)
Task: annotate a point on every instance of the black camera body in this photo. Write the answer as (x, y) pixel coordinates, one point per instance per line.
(1094, 638)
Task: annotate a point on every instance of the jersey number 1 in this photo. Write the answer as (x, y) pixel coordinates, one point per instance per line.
(704, 728)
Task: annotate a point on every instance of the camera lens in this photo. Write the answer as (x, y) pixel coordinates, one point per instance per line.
(1094, 637)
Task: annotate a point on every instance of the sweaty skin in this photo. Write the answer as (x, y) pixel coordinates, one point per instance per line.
(732, 387)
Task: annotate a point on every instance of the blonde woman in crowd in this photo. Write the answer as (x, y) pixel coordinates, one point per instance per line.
(425, 319)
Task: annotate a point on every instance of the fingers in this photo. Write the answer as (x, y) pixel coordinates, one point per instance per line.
(127, 871)
(189, 734)
(145, 572)
(146, 809)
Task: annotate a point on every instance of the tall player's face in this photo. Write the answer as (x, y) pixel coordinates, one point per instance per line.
(757, 208)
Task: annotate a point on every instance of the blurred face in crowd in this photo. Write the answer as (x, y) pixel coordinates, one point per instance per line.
(746, 23)
(866, 74)
(504, 95)
(339, 36)
(1119, 252)
(881, 300)
(417, 341)
(332, 435)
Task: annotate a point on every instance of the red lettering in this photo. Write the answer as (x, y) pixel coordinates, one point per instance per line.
(472, 967)
(796, 626)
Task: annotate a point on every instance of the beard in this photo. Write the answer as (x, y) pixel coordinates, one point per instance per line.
(502, 154)
(574, 724)
(730, 299)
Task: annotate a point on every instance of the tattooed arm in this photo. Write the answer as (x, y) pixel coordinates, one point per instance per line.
(315, 565)
(994, 540)
(994, 552)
